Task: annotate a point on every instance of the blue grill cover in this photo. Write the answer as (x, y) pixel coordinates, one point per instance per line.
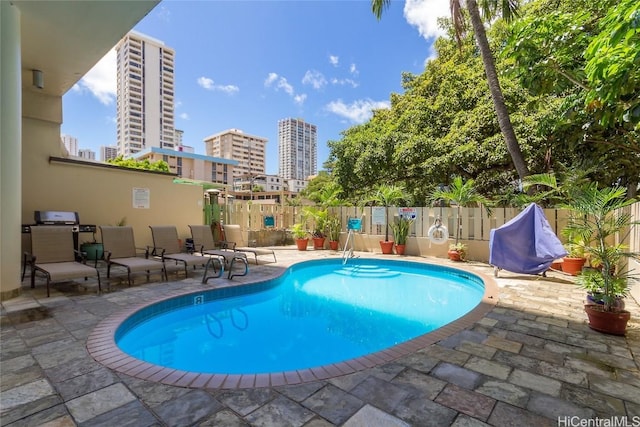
(526, 244)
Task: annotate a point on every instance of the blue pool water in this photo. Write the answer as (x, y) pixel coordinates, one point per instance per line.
(317, 313)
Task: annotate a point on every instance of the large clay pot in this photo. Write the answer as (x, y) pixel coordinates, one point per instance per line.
(572, 266)
(334, 245)
(400, 249)
(318, 243)
(386, 246)
(608, 322)
(302, 244)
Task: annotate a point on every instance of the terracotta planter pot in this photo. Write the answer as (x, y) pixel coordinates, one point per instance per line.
(572, 266)
(454, 255)
(302, 244)
(386, 246)
(334, 245)
(400, 249)
(608, 322)
(318, 243)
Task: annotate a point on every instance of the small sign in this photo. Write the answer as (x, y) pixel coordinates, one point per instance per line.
(141, 198)
(269, 221)
(408, 213)
(378, 215)
(354, 224)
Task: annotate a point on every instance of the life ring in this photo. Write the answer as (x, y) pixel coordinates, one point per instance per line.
(438, 234)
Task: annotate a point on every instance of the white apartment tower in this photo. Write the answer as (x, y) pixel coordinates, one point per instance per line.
(145, 103)
(70, 143)
(297, 149)
(248, 150)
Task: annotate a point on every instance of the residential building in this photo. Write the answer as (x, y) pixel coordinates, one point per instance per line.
(145, 94)
(248, 150)
(70, 143)
(87, 154)
(108, 152)
(193, 166)
(297, 149)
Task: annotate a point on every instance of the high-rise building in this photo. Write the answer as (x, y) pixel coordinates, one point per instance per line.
(248, 150)
(86, 154)
(70, 143)
(108, 152)
(145, 106)
(297, 149)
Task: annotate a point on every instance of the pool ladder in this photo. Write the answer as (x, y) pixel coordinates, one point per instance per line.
(347, 252)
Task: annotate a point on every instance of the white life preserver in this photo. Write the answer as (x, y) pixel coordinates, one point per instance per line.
(438, 234)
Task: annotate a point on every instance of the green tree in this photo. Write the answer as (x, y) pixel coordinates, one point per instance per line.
(160, 165)
(490, 9)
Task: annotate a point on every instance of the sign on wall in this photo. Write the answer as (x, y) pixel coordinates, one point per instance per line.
(141, 198)
(378, 215)
(408, 213)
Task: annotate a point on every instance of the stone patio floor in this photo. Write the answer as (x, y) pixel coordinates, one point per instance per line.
(530, 361)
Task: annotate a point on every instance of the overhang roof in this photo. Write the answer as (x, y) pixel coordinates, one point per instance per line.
(65, 39)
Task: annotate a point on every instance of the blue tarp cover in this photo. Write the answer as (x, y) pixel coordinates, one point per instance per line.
(526, 244)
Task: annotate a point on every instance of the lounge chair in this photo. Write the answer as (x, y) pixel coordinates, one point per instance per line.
(233, 234)
(167, 247)
(53, 254)
(120, 250)
(204, 244)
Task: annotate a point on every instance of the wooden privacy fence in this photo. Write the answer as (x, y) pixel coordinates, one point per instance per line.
(476, 224)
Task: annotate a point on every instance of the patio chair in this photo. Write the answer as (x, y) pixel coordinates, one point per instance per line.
(167, 247)
(203, 242)
(120, 250)
(53, 254)
(232, 233)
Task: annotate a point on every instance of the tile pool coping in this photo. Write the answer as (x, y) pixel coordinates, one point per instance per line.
(101, 345)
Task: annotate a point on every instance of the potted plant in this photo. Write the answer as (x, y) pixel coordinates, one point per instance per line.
(334, 227)
(387, 195)
(573, 262)
(300, 235)
(598, 216)
(461, 194)
(400, 228)
(319, 216)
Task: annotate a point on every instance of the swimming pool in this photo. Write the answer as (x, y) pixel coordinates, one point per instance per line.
(318, 313)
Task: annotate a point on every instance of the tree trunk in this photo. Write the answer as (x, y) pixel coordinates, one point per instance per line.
(496, 92)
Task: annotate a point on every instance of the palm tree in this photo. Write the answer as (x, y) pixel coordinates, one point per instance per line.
(508, 9)
(387, 195)
(462, 194)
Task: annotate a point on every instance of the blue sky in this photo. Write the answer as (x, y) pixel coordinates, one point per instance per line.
(248, 64)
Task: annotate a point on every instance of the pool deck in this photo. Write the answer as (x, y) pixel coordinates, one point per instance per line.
(528, 360)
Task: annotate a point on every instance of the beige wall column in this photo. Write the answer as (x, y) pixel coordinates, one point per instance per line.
(10, 151)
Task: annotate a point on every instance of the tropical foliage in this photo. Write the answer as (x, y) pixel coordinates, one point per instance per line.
(566, 112)
(146, 164)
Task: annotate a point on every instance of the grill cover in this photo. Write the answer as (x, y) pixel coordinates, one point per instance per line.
(526, 244)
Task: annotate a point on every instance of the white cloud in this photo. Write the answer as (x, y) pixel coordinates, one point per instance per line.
(184, 116)
(343, 82)
(209, 84)
(315, 79)
(164, 14)
(424, 14)
(334, 60)
(205, 82)
(299, 99)
(101, 80)
(358, 111)
(282, 83)
(353, 70)
(272, 77)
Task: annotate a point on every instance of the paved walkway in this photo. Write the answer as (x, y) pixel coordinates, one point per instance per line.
(530, 361)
